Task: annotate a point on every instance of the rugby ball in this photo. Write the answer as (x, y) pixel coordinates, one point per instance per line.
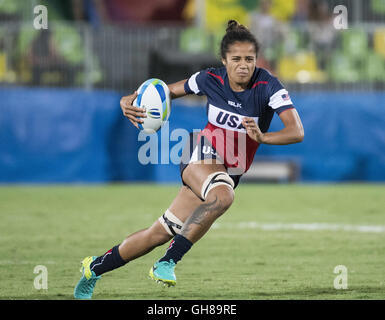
(154, 98)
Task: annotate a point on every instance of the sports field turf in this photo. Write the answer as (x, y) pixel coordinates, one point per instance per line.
(275, 242)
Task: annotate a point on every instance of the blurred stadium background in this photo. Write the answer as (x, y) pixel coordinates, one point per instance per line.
(60, 87)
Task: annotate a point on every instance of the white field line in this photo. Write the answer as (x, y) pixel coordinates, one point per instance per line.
(300, 226)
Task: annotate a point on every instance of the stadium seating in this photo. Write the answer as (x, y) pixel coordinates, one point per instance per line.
(301, 67)
(216, 42)
(355, 43)
(69, 43)
(378, 6)
(379, 41)
(194, 40)
(342, 68)
(358, 61)
(374, 67)
(293, 41)
(217, 13)
(3, 66)
(283, 10)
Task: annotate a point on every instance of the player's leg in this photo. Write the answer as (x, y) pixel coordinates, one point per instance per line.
(163, 229)
(138, 243)
(206, 176)
(212, 184)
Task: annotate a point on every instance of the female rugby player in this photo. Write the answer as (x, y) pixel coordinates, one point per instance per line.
(241, 101)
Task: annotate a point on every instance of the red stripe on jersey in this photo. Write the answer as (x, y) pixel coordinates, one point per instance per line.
(236, 148)
(216, 76)
(259, 82)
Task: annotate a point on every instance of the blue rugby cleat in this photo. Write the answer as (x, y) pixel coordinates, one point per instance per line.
(85, 287)
(163, 272)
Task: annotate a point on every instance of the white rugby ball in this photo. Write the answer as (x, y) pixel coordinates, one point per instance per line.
(154, 97)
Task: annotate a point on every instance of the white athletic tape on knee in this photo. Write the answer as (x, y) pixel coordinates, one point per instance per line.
(214, 180)
(171, 223)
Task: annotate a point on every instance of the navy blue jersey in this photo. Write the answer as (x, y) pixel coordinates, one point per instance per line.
(226, 109)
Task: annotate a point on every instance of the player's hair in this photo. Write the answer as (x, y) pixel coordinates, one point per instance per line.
(237, 32)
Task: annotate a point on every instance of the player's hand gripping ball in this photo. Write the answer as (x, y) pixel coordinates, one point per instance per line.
(154, 98)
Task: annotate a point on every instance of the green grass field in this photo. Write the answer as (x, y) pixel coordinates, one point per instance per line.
(269, 245)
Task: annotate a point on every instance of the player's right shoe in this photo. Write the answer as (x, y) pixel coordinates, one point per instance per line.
(163, 271)
(85, 287)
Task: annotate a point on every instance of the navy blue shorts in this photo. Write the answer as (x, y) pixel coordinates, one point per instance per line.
(201, 149)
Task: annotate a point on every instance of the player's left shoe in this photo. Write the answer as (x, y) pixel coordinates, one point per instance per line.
(86, 285)
(163, 271)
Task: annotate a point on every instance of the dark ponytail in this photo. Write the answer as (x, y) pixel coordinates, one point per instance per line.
(237, 32)
(233, 25)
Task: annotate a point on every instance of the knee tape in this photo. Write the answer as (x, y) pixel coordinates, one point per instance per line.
(214, 180)
(171, 223)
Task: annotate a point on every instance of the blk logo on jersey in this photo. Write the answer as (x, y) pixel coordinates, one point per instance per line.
(234, 104)
(226, 119)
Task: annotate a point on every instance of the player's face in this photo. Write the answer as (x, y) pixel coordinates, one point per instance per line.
(240, 64)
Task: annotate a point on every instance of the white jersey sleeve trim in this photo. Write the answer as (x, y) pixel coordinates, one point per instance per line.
(279, 99)
(192, 83)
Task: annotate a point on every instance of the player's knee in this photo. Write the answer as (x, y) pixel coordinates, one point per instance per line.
(157, 234)
(218, 191)
(170, 223)
(221, 198)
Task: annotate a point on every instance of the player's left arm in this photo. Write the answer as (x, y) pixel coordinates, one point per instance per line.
(291, 133)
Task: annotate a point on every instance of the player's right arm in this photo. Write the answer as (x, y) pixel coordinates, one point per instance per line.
(177, 89)
(134, 114)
